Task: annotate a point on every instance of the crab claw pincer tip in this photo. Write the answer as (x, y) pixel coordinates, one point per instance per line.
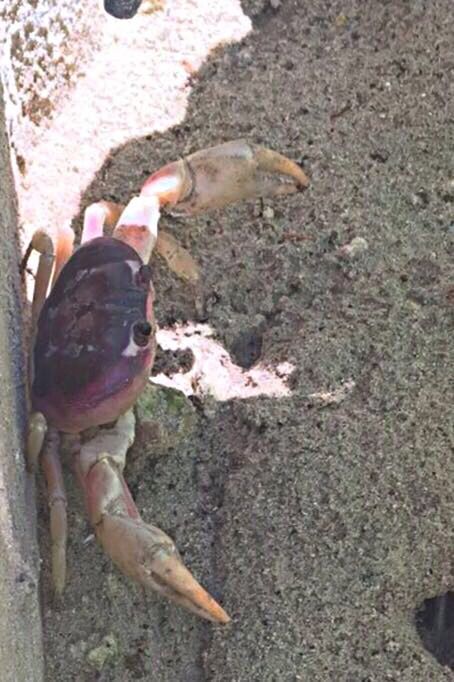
(222, 175)
(148, 556)
(177, 583)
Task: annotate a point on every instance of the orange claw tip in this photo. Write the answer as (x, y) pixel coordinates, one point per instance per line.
(273, 162)
(172, 579)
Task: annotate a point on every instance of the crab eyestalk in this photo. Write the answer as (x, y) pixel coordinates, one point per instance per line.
(223, 175)
(141, 551)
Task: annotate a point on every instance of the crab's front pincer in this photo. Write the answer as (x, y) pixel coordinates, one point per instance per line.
(222, 175)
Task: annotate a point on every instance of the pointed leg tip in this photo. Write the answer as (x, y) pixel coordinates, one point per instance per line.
(58, 592)
(59, 575)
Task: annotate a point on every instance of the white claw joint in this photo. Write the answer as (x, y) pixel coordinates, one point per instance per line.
(138, 225)
(223, 175)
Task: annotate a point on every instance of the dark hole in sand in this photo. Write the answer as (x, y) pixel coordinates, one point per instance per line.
(247, 348)
(122, 9)
(435, 626)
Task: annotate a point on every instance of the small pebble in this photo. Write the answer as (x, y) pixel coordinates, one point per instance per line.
(78, 649)
(245, 58)
(420, 199)
(107, 650)
(341, 20)
(357, 246)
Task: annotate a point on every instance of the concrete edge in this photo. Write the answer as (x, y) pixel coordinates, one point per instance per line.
(21, 649)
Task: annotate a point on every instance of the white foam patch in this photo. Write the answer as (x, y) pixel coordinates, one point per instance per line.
(214, 371)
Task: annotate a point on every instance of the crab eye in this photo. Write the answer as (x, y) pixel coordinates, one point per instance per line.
(141, 332)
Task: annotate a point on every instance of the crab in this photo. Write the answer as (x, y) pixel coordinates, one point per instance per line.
(94, 344)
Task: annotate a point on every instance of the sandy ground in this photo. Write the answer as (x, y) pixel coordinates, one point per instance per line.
(320, 528)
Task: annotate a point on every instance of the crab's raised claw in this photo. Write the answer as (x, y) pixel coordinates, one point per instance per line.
(141, 551)
(222, 175)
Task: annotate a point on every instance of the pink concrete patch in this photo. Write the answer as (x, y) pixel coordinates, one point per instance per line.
(214, 372)
(129, 79)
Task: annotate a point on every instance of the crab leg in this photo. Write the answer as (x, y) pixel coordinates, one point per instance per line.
(43, 243)
(51, 464)
(54, 251)
(63, 249)
(222, 175)
(37, 429)
(178, 259)
(97, 216)
(141, 551)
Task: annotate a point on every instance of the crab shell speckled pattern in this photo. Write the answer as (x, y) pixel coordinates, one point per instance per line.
(95, 341)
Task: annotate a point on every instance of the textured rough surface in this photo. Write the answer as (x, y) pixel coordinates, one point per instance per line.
(20, 626)
(43, 47)
(321, 529)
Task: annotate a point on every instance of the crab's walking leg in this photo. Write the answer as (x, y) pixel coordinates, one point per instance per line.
(222, 175)
(54, 251)
(43, 243)
(97, 216)
(37, 429)
(178, 259)
(141, 551)
(57, 506)
(63, 249)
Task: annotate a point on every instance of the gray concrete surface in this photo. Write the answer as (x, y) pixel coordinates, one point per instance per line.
(21, 657)
(321, 529)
